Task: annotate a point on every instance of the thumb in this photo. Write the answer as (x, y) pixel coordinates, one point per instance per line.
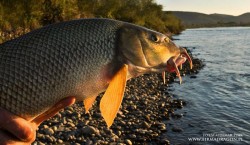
(15, 125)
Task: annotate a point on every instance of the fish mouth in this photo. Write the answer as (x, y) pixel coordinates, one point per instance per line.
(176, 61)
(171, 65)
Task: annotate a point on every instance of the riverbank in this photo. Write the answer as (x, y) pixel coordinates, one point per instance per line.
(146, 107)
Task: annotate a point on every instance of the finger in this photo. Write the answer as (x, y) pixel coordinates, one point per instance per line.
(8, 139)
(17, 126)
(54, 110)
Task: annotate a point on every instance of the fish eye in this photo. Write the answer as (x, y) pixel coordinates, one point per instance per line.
(154, 38)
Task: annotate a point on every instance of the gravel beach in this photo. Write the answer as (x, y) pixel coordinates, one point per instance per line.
(146, 107)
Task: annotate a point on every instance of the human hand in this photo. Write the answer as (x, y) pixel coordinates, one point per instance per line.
(15, 130)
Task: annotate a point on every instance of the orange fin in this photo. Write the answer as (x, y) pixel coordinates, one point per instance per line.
(112, 99)
(88, 103)
(54, 109)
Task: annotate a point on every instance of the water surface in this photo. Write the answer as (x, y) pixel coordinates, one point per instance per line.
(218, 100)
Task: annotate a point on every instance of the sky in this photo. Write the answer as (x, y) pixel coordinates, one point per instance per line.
(231, 7)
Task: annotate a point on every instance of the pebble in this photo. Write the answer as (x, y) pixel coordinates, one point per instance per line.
(147, 117)
(69, 137)
(128, 142)
(64, 121)
(49, 138)
(119, 133)
(45, 126)
(162, 126)
(145, 125)
(61, 128)
(165, 142)
(89, 142)
(177, 129)
(68, 112)
(54, 128)
(39, 135)
(49, 131)
(60, 141)
(133, 136)
(89, 130)
(114, 138)
(176, 116)
(71, 124)
(40, 143)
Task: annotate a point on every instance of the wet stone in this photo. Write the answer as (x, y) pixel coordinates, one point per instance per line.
(162, 126)
(176, 116)
(177, 129)
(191, 125)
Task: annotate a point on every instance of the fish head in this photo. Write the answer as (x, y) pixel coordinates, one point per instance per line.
(148, 51)
(138, 51)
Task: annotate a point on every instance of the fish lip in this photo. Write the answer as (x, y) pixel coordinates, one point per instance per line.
(178, 60)
(174, 62)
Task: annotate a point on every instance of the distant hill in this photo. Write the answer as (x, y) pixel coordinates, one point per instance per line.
(194, 19)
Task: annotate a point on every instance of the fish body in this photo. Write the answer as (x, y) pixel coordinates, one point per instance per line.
(79, 58)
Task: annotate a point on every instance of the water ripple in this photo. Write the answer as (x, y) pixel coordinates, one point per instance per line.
(219, 98)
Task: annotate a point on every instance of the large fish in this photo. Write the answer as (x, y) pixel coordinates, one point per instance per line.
(81, 58)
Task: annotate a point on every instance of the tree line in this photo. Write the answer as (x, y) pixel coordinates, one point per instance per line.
(31, 14)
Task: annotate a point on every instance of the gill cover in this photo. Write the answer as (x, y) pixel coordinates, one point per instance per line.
(145, 48)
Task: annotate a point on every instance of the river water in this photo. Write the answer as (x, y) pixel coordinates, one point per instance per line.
(218, 100)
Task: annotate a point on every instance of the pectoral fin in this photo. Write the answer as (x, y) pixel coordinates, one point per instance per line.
(54, 109)
(112, 99)
(88, 103)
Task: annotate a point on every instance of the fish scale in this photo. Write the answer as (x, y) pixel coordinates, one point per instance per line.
(44, 66)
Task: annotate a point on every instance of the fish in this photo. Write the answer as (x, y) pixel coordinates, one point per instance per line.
(81, 58)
